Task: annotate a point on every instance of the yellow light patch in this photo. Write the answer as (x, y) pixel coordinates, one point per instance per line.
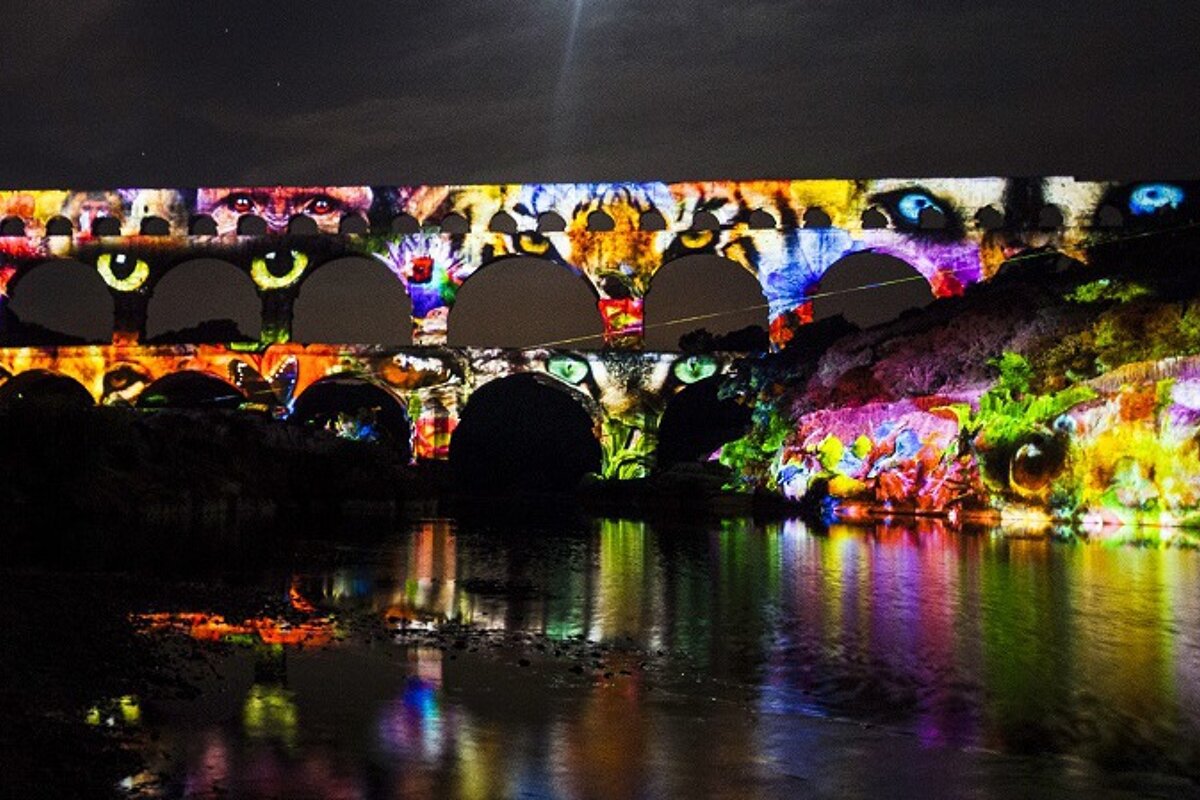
(264, 279)
(132, 282)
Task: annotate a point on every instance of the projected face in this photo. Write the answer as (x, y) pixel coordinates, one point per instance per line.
(325, 205)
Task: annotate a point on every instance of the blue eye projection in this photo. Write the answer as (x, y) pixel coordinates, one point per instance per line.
(1150, 198)
(912, 204)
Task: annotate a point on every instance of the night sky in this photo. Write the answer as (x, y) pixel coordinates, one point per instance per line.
(106, 94)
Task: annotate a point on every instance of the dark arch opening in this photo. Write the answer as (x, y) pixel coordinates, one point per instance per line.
(989, 218)
(705, 221)
(12, 226)
(816, 217)
(202, 225)
(59, 302)
(251, 225)
(652, 220)
(873, 219)
(1050, 217)
(353, 300)
(902, 289)
(550, 222)
(722, 293)
(524, 302)
(155, 226)
(190, 390)
(354, 409)
(354, 225)
(455, 223)
(761, 220)
(1109, 216)
(405, 224)
(503, 222)
(59, 226)
(696, 422)
(517, 434)
(203, 301)
(106, 226)
(931, 219)
(600, 221)
(303, 225)
(40, 386)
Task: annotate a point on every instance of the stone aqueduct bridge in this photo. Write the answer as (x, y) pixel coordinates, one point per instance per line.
(614, 237)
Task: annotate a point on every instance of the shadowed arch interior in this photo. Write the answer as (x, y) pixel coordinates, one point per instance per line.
(40, 386)
(891, 288)
(190, 390)
(524, 302)
(696, 422)
(202, 291)
(699, 286)
(350, 301)
(63, 297)
(518, 434)
(355, 409)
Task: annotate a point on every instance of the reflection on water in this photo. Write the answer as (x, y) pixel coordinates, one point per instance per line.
(722, 655)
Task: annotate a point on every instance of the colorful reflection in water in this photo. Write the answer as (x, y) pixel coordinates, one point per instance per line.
(728, 656)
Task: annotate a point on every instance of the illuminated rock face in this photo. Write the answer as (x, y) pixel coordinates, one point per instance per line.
(1126, 446)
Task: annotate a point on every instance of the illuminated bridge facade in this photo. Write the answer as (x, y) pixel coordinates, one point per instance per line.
(613, 237)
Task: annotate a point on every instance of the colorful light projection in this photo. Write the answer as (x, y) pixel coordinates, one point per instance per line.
(625, 393)
(954, 232)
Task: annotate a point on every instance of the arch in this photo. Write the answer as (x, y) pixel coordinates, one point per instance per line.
(550, 222)
(302, 225)
(354, 225)
(106, 226)
(520, 434)
(502, 222)
(454, 223)
(59, 226)
(155, 226)
(1050, 217)
(705, 221)
(404, 224)
(696, 422)
(251, 225)
(701, 285)
(12, 226)
(931, 219)
(989, 218)
(873, 219)
(817, 217)
(524, 302)
(600, 221)
(202, 225)
(62, 299)
(352, 300)
(196, 301)
(857, 297)
(652, 220)
(190, 389)
(355, 408)
(1109, 216)
(43, 386)
(761, 219)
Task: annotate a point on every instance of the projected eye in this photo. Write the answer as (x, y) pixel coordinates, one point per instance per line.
(533, 243)
(568, 369)
(241, 203)
(694, 240)
(1150, 198)
(278, 270)
(122, 272)
(321, 204)
(695, 368)
(910, 206)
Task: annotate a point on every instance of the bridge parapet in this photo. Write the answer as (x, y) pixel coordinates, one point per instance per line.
(614, 236)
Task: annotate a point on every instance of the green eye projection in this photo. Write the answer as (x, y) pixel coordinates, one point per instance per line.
(695, 368)
(567, 368)
(122, 272)
(278, 270)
